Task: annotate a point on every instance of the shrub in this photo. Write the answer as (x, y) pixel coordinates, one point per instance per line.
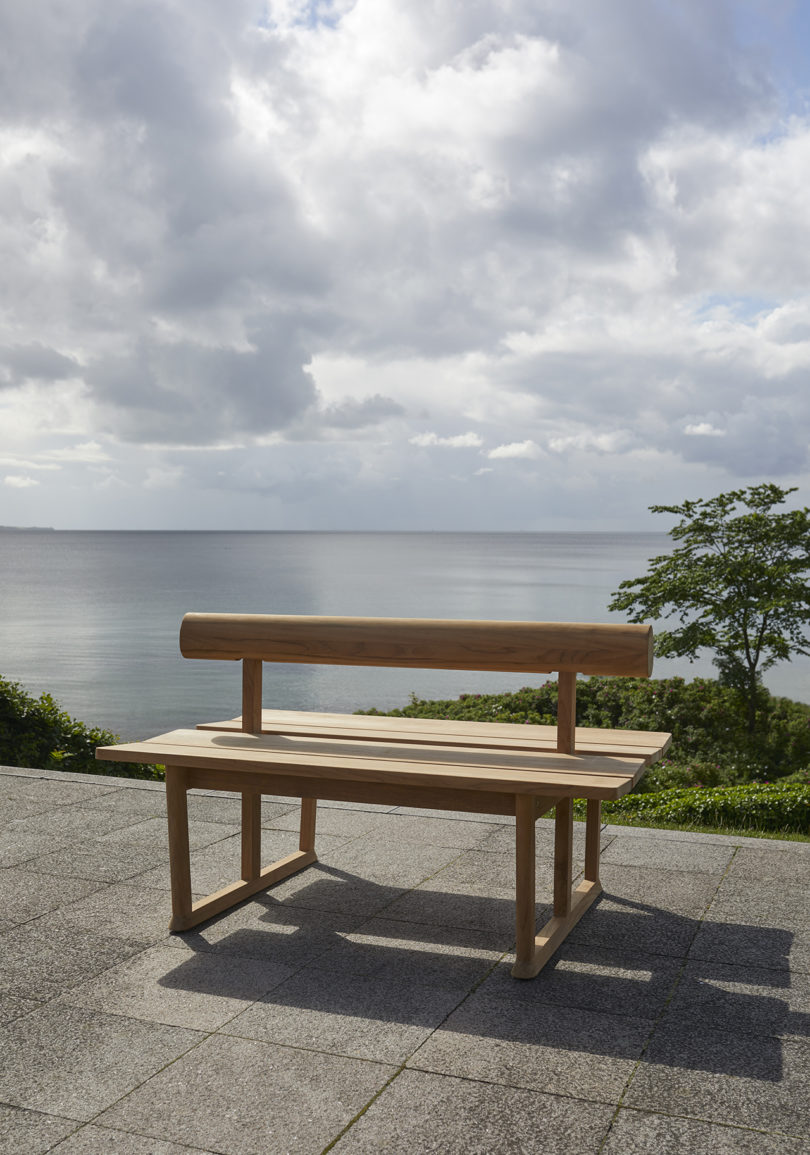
(708, 722)
(768, 807)
(34, 732)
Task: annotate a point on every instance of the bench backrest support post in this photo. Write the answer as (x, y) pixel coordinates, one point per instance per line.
(252, 695)
(566, 711)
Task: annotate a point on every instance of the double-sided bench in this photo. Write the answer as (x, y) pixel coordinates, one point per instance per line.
(477, 767)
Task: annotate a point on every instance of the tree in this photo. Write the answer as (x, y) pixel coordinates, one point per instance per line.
(737, 585)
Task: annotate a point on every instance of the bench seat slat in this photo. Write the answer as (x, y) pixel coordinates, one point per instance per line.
(569, 775)
(451, 732)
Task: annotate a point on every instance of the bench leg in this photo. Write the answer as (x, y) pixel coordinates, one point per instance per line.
(251, 835)
(179, 854)
(309, 809)
(593, 834)
(186, 914)
(525, 891)
(534, 950)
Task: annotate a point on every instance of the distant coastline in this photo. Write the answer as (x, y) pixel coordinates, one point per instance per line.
(27, 529)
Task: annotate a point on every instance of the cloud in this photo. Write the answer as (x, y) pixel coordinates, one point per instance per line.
(35, 361)
(457, 441)
(323, 234)
(515, 449)
(18, 481)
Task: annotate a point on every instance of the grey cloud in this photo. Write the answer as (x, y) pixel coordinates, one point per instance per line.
(352, 414)
(186, 393)
(35, 361)
(344, 420)
(767, 436)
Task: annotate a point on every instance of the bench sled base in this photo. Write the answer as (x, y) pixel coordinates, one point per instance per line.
(187, 914)
(555, 931)
(229, 896)
(533, 948)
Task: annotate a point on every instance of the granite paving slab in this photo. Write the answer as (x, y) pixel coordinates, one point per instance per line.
(55, 789)
(762, 902)
(25, 1132)
(361, 1018)
(542, 1047)
(440, 1115)
(641, 1133)
(98, 861)
(733, 998)
(180, 987)
(364, 875)
(12, 1007)
(389, 948)
(74, 1062)
(242, 1097)
(376, 996)
(741, 944)
(43, 958)
(628, 849)
(335, 821)
(123, 910)
(764, 864)
(595, 978)
(725, 1077)
(264, 928)
(25, 894)
(92, 1140)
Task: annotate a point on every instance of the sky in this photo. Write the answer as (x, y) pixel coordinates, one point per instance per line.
(388, 265)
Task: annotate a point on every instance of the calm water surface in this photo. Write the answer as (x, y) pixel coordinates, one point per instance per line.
(94, 617)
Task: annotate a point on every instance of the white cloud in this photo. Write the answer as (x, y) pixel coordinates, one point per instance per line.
(19, 481)
(458, 441)
(703, 429)
(515, 449)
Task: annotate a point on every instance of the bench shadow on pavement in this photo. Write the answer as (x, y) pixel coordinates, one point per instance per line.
(625, 958)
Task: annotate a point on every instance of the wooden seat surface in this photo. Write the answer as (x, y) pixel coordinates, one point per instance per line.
(453, 732)
(320, 752)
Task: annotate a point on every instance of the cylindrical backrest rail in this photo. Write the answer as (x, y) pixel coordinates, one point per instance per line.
(422, 643)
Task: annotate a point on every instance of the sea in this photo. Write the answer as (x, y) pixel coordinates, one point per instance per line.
(93, 617)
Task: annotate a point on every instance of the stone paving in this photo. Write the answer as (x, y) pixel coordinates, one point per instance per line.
(365, 1005)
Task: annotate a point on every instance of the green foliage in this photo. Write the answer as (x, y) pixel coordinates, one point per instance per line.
(711, 742)
(781, 807)
(737, 585)
(34, 732)
(709, 776)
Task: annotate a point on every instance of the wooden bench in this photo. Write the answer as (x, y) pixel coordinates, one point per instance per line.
(477, 767)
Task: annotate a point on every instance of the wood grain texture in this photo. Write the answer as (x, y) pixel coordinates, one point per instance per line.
(179, 854)
(566, 712)
(251, 834)
(451, 732)
(252, 695)
(309, 813)
(593, 835)
(570, 775)
(421, 643)
(563, 857)
(525, 888)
